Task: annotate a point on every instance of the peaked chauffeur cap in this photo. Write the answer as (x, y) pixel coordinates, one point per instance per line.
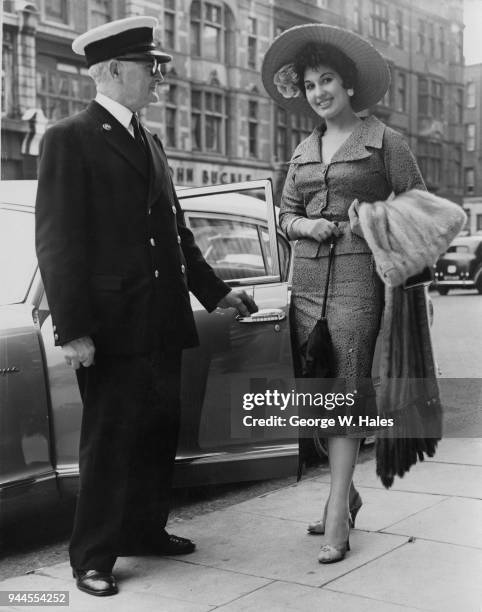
(132, 36)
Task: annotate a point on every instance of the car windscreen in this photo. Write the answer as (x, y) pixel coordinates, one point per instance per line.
(17, 254)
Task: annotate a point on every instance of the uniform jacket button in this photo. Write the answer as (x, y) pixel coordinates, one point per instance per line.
(173, 208)
(179, 240)
(156, 273)
(152, 241)
(183, 268)
(56, 336)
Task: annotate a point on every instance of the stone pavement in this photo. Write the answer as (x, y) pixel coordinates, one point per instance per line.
(415, 547)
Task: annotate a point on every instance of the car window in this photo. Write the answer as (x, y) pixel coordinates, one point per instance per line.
(460, 248)
(17, 254)
(283, 250)
(231, 247)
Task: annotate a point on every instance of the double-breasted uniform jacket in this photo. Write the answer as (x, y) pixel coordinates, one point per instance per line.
(116, 257)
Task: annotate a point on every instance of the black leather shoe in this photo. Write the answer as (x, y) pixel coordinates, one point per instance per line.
(96, 583)
(174, 545)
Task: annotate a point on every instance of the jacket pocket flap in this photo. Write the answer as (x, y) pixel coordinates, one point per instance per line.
(307, 248)
(106, 282)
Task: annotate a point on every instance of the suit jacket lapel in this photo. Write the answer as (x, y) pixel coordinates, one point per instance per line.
(117, 137)
(160, 178)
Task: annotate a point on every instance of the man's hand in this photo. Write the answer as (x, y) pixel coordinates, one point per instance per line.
(244, 304)
(79, 352)
(355, 219)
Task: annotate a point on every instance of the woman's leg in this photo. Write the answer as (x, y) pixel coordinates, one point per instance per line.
(343, 454)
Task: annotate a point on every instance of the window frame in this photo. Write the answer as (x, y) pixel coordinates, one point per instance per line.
(204, 112)
(65, 23)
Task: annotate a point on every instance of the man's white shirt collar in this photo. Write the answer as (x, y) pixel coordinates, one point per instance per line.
(120, 112)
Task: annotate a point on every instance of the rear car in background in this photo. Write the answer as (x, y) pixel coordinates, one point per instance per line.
(461, 266)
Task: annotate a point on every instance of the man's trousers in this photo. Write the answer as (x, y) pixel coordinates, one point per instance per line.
(128, 444)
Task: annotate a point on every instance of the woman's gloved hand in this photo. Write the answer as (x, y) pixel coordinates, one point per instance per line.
(316, 229)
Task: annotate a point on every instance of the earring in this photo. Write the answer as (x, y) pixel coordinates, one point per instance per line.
(350, 92)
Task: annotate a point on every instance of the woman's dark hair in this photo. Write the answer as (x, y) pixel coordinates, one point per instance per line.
(313, 55)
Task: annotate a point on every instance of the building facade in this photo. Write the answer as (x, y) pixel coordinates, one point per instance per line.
(473, 148)
(216, 121)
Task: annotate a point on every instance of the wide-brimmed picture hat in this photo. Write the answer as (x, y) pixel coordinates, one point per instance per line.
(373, 74)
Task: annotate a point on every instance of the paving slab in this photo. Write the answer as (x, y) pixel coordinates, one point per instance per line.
(427, 477)
(296, 598)
(125, 601)
(175, 578)
(428, 575)
(276, 549)
(455, 520)
(467, 451)
(304, 503)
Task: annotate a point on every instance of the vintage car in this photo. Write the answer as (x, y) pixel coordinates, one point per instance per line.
(461, 266)
(40, 408)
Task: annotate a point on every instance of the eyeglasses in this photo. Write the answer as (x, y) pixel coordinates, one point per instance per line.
(155, 66)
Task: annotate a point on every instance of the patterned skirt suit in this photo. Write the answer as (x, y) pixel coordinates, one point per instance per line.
(371, 164)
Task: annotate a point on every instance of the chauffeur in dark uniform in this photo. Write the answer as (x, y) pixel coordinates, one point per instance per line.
(118, 262)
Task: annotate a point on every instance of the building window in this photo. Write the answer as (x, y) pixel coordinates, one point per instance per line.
(291, 129)
(379, 20)
(253, 127)
(252, 42)
(7, 74)
(441, 42)
(459, 53)
(431, 39)
(208, 121)
(357, 19)
(459, 106)
(100, 12)
(457, 167)
(169, 23)
(421, 36)
(209, 30)
(437, 100)
(62, 89)
(429, 157)
(478, 223)
(171, 116)
(401, 94)
(430, 98)
(469, 180)
(471, 94)
(470, 137)
(399, 26)
(423, 108)
(56, 10)
(281, 135)
(301, 127)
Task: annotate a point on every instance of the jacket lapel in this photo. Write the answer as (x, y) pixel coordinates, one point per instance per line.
(369, 133)
(117, 137)
(160, 178)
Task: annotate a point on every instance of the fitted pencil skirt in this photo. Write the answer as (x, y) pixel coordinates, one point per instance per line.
(354, 310)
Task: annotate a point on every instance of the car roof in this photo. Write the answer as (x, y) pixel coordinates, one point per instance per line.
(23, 193)
(467, 240)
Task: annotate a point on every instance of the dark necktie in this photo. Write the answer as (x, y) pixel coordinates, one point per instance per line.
(137, 131)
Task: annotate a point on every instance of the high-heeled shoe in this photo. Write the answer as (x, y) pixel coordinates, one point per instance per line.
(318, 527)
(331, 553)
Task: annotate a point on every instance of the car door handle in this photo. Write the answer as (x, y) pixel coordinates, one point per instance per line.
(263, 316)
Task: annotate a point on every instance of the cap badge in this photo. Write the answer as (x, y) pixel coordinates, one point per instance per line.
(107, 127)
